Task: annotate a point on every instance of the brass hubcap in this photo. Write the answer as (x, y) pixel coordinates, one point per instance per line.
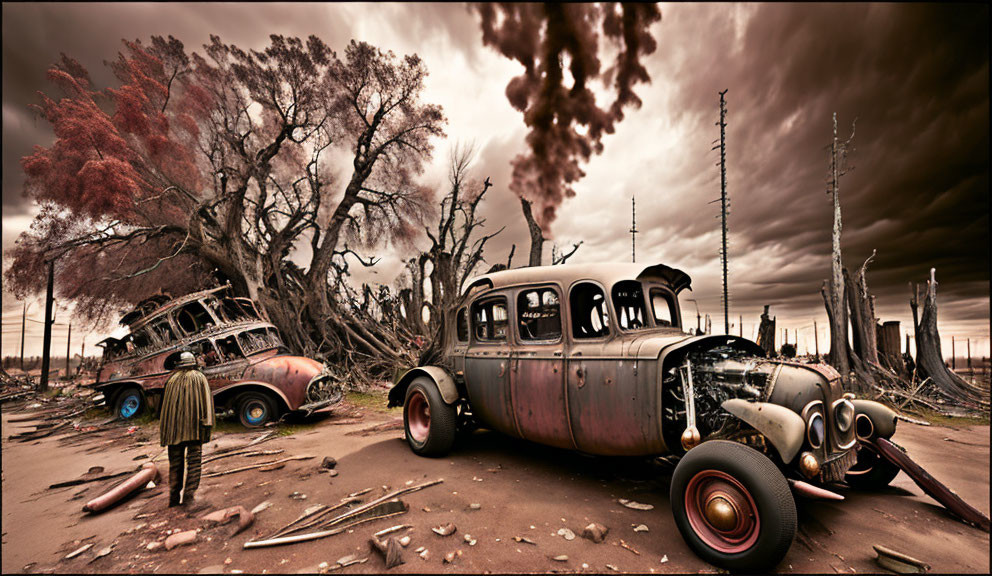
(721, 514)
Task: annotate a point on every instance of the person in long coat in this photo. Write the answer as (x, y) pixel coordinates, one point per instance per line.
(186, 423)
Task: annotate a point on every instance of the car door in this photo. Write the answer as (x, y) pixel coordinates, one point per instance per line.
(537, 367)
(487, 363)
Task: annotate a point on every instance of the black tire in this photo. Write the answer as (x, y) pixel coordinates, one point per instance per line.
(436, 436)
(255, 409)
(871, 471)
(759, 541)
(129, 403)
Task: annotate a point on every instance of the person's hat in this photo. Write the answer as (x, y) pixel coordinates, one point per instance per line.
(186, 360)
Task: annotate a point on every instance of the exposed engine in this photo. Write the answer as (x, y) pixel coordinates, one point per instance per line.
(718, 374)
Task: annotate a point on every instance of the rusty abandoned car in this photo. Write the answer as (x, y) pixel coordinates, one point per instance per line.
(593, 358)
(241, 354)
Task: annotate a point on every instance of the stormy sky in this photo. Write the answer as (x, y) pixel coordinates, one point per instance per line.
(916, 78)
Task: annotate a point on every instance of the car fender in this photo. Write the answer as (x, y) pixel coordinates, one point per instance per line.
(883, 419)
(445, 384)
(232, 390)
(784, 428)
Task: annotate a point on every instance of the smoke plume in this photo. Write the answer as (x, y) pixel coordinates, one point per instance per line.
(559, 45)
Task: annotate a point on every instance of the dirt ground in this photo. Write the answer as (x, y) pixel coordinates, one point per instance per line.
(524, 490)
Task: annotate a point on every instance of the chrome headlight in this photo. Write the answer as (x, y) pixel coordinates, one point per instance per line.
(816, 429)
(843, 414)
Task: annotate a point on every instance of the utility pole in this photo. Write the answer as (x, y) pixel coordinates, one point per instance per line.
(47, 344)
(633, 229)
(24, 319)
(816, 340)
(969, 355)
(740, 324)
(68, 356)
(723, 206)
(953, 365)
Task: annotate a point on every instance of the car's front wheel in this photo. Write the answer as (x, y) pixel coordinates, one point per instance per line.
(255, 409)
(871, 471)
(129, 403)
(430, 422)
(733, 506)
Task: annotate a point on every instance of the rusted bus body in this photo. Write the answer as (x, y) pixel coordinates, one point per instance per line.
(237, 348)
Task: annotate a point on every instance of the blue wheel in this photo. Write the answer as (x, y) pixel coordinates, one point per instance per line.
(255, 409)
(130, 403)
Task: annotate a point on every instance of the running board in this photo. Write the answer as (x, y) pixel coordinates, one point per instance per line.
(942, 494)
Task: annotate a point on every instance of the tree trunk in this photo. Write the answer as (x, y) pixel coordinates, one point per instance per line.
(930, 361)
(889, 352)
(536, 234)
(766, 333)
(862, 308)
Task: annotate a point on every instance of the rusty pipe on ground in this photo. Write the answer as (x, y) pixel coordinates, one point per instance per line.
(148, 473)
(933, 487)
(811, 491)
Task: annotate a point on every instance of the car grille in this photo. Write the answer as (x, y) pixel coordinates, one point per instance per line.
(833, 470)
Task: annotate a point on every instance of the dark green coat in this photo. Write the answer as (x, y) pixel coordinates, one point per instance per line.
(187, 408)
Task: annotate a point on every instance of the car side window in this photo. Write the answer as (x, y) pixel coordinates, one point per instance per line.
(628, 301)
(462, 325)
(489, 320)
(590, 315)
(664, 308)
(539, 314)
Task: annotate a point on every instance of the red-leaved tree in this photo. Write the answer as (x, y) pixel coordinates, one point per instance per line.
(222, 166)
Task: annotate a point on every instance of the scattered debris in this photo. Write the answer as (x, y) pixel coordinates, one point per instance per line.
(595, 532)
(263, 506)
(332, 473)
(445, 529)
(566, 534)
(328, 463)
(405, 541)
(391, 551)
(664, 558)
(634, 505)
(525, 540)
(612, 567)
(471, 541)
(78, 551)
(254, 466)
(424, 554)
(148, 473)
(272, 467)
(245, 518)
(382, 507)
(628, 547)
(103, 552)
(899, 562)
(90, 477)
(450, 557)
(641, 528)
(390, 530)
(180, 539)
(298, 496)
(153, 546)
(561, 558)
(475, 506)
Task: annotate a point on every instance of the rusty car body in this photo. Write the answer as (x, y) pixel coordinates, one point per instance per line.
(594, 358)
(249, 368)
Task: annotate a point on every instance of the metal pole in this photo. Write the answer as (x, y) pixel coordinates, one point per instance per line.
(952, 353)
(68, 340)
(24, 318)
(969, 354)
(816, 340)
(47, 343)
(633, 229)
(723, 206)
(740, 321)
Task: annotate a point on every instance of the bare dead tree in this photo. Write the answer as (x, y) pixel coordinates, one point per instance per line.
(834, 290)
(862, 308)
(537, 238)
(766, 333)
(930, 361)
(559, 256)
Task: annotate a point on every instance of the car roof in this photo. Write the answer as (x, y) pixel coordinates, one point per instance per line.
(606, 273)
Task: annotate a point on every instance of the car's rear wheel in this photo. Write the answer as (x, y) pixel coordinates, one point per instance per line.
(255, 409)
(430, 422)
(130, 403)
(733, 506)
(871, 471)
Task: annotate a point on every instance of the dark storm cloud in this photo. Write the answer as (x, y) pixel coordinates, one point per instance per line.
(915, 76)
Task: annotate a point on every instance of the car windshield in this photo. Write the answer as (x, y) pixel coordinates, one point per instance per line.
(628, 302)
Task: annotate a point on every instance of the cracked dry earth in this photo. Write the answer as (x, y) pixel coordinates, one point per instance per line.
(496, 490)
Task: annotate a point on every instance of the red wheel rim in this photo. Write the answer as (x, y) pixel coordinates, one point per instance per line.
(418, 416)
(722, 512)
